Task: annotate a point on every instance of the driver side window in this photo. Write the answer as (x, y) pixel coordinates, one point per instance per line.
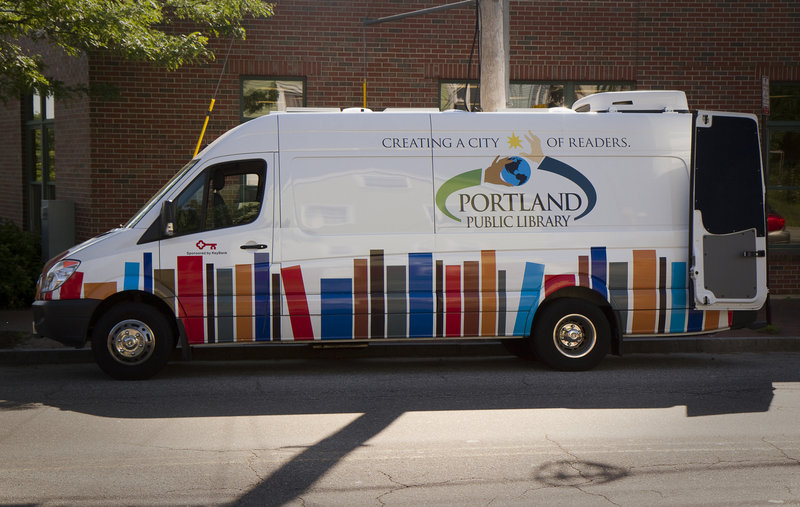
(224, 195)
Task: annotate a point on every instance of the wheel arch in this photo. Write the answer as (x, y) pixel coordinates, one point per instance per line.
(135, 296)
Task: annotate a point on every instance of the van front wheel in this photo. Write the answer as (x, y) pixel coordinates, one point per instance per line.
(571, 335)
(132, 341)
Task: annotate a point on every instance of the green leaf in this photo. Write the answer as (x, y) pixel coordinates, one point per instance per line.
(135, 30)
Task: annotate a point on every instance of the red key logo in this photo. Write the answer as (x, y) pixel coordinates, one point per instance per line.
(202, 244)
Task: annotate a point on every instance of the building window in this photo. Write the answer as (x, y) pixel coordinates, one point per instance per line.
(40, 155)
(457, 94)
(260, 95)
(783, 164)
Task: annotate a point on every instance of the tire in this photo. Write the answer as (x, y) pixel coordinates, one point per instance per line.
(132, 341)
(571, 335)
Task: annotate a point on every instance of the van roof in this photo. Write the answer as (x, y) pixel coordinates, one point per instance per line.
(640, 101)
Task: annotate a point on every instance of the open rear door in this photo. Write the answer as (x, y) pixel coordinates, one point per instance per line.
(728, 232)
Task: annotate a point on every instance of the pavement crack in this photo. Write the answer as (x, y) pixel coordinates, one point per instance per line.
(400, 485)
(251, 465)
(561, 448)
(783, 453)
(589, 473)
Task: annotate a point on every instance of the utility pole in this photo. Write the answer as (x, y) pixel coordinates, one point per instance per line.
(494, 48)
(494, 54)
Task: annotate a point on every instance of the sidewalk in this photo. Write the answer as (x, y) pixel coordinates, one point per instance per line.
(19, 346)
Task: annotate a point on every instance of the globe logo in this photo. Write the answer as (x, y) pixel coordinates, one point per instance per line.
(516, 172)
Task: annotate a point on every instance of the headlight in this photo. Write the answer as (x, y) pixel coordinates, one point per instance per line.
(58, 274)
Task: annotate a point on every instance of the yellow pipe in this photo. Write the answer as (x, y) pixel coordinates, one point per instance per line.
(205, 124)
(365, 93)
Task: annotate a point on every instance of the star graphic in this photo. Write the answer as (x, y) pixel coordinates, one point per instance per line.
(514, 141)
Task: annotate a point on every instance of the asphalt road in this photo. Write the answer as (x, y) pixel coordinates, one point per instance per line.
(679, 429)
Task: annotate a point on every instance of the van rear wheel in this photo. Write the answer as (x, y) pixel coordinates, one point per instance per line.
(132, 341)
(571, 335)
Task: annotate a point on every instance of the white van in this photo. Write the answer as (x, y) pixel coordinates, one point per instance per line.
(563, 229)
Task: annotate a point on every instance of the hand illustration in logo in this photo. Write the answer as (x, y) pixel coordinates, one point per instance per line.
(514, 171)
(508, 171)
(493, 173)
(535, 152)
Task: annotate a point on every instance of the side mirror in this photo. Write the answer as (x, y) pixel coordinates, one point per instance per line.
(168, 219)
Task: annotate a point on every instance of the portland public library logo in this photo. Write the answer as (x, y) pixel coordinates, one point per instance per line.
(513, 206)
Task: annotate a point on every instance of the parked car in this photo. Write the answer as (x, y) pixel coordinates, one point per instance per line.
(776, 227)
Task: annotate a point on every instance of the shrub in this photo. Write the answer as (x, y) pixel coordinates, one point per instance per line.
(20, 267)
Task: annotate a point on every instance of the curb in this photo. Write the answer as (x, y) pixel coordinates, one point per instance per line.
(45, 356)
(711, 345)
(684, 345)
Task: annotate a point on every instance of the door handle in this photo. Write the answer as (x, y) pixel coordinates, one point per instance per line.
(253, 246)
(754, 253)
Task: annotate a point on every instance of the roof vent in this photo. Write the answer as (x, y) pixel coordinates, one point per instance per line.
(650, 101)
(356, 110)
(411, 110)
(297, 109)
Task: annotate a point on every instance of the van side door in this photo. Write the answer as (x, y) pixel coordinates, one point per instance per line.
(214, 269)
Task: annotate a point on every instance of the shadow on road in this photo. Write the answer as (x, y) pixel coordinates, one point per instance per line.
(381, 390)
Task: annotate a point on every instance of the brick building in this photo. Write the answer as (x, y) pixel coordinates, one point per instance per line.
(108, 154)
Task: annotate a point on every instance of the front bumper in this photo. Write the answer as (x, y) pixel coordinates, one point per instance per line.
(65, 321)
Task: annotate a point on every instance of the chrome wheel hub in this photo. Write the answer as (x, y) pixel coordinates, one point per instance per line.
(574, 336)
(570, 336)
(131, 341)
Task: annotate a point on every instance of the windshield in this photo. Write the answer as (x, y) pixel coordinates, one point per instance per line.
(158, 195)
